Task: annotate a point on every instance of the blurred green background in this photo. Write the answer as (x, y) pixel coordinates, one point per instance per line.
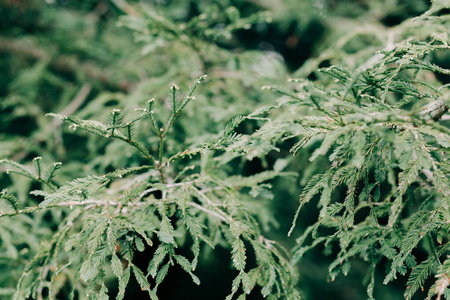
(88, 57)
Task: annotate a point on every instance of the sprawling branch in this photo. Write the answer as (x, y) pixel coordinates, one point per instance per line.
(64, 63)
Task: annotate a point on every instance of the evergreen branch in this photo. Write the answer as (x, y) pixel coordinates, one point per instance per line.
(37, 174)
(189, 96)
(418, 276)
(226, 218)
(19, 169)
(173, 97)
(100, 129)
(150, 114)
(11, 200)
(443, 280)
(50, 172)
(208, 211)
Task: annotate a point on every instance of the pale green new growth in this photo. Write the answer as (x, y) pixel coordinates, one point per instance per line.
(377, 132)
(362, 143)
(121, 214)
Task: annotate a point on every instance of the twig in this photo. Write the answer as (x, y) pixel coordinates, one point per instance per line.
(28, 210)
(199, 207)
(62, 63)
(151, 190)
(20, 47)
(98, 203)
(125, 7)
(209, 202)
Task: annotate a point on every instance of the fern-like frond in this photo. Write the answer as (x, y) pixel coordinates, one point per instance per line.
(10, 199)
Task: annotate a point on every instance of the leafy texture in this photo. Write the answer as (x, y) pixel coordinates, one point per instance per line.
(384, 193)
(121, 216)
(243, 180)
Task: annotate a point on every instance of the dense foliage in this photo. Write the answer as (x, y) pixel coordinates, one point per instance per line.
(253, 148)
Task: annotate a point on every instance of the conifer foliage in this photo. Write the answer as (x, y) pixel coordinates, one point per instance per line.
(365, 123)
(385, 191)
(110, 217)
